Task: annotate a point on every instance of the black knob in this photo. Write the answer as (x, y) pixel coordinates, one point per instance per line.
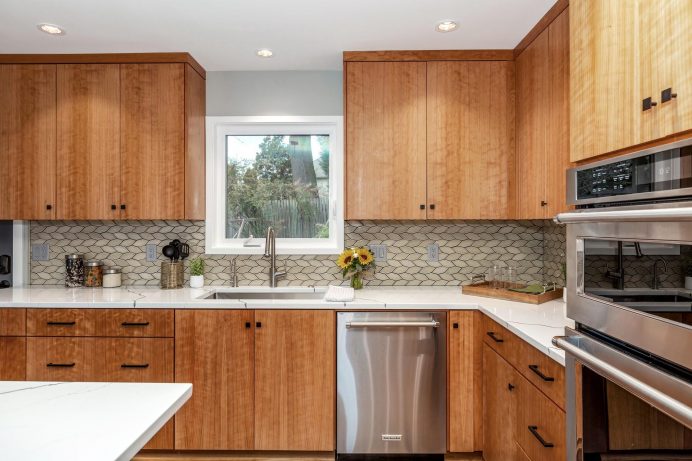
(510, 386)
(422, 207)
(432, 206)
(49, 207)
(544, 203)
(667, 95)
(113, 207)
(122, 207)
(248, 324)
(648, 103)
(258, 324)
(455, 325)
(654, 103)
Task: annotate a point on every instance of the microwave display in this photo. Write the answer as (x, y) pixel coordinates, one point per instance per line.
(667, 170)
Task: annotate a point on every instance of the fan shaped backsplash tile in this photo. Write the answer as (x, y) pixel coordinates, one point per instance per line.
(466, 248)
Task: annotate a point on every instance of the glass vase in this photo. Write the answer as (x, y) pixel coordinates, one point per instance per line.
(357, 281)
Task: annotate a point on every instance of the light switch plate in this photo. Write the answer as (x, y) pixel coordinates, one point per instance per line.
(433, 253)
(380, 252)
(152, 253)
(40, 252)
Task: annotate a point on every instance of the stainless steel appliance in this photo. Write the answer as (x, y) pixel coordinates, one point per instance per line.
(5, 254)
(391, 385)
(629, 268)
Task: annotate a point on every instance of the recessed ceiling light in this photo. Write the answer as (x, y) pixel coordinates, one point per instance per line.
(51, 29)
(265, 53)
(446, 26)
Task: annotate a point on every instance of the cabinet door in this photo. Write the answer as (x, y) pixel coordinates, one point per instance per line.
(214, 351)
(27, 141)
(465, 382)
(470, 133)
(294, 380)
(499, 405)
(604, 102)
(533, 119)
(61, 359)
(152, 141)
(88, 180)
(12, 359)
(385, 140)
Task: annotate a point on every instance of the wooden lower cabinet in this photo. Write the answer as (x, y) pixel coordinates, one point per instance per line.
(295, 380)
(499, 405)
(465, 381)
(214, 350)
(12, 359)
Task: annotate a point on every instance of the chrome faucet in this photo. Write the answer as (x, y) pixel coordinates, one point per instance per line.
(234, 271)
(655, 280)
(270, 252)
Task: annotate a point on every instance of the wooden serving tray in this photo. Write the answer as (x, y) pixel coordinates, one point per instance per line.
(484, 289)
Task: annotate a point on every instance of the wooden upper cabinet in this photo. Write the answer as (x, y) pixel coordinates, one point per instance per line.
(214, 350)
(542, 120)
(295, 380)
(470, 139)
(27, 141)
(88, 139)
(152, 139)
(604, 103)
(385, 140)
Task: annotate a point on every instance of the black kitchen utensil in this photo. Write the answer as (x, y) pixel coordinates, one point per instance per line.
(169, 252)
(184, 250)
(5, 264)
(176, 246)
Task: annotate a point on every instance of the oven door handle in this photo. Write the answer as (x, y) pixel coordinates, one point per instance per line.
(375, 324)
(643, 215)
(669, 405)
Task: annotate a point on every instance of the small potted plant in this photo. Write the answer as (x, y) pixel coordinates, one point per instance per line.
(197, 273)
(354, 262)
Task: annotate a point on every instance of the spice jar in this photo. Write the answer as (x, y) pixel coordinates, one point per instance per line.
(74, 270)
(112, 277)
(93, 276)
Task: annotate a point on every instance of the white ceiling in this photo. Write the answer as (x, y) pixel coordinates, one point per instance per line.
(224, 34)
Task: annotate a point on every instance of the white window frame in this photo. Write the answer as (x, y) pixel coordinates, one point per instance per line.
(217, 130)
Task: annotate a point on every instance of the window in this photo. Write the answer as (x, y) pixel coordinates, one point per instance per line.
(283, 172)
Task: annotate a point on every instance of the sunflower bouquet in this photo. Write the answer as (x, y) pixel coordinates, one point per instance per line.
(354, 262)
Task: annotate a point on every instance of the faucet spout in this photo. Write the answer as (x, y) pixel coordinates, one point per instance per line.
(270, 252)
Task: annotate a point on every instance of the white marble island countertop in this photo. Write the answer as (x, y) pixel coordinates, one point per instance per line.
(83, 421)
(536, 324)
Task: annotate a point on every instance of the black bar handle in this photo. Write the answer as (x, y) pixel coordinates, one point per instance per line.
(495, 338)
(61, 324)
(535, 369)
(60, 365)
(135, 324)
(534, 431)
(134, 365)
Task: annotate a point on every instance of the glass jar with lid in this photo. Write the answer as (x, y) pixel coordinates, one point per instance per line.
(112, 277)
(74, 270)
(93, 276)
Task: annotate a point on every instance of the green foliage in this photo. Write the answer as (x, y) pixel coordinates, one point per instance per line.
(324, 153)
(197, 266)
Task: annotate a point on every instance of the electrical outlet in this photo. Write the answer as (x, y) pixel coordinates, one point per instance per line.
(380, 252)
(40, 252)
(433, 252)
(152, 253)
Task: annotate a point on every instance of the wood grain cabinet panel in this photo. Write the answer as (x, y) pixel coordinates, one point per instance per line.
(545, 373)
(27, 141)
(465, 372)
(88, 166)
(12, 359)
(60, 322)
(136, 323)
(499, 407)
(214, 350)
(61, 359)
(12, 322)
(385, 140)
(152, 141)
(501, 340)
(470, 139)
(295, 380)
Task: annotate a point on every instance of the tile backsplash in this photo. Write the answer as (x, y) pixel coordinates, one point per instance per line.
(466, 248)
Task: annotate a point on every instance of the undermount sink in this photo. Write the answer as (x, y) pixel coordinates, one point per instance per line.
(261, 295)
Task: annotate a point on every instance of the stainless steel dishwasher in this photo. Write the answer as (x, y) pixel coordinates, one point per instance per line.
(391, 385)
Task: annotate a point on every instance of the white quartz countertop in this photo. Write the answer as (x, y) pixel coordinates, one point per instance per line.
(83, 421)
(536, 324)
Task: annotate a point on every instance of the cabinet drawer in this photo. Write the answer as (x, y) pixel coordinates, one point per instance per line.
(12, 359)
(545, 373)
(60, 359)
(60, 322)
(147, 360)
(501, 340)
(540, 424)
(100, 322)
(12, 322)
(136, 323)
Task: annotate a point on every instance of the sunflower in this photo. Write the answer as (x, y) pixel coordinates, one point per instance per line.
(346, 258)
(365, 256)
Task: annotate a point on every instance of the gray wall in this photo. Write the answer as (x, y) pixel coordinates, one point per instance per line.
(275, 93)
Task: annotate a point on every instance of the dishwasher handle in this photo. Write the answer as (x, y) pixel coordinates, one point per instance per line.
(403, 324)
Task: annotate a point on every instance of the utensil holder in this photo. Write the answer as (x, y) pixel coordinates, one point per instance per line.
(172, 274)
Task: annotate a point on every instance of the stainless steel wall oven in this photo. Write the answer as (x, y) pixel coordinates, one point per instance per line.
(629, 282)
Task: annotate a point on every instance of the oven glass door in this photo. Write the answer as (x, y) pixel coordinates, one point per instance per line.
(619, 426)
(651, 278)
